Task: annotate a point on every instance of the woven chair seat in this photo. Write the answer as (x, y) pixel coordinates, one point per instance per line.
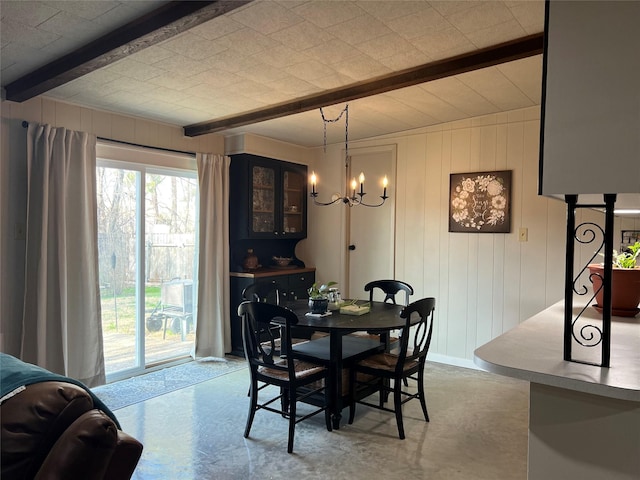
(386, 361)
(302, 369)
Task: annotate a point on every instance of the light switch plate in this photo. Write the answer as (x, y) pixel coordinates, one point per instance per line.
(523, 234)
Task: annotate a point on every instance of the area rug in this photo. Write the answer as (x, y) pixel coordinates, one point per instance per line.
(123, 393)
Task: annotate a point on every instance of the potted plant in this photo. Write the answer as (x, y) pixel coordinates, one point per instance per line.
(319, 297)
(625, 282)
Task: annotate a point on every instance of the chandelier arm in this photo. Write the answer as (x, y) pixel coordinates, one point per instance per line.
(361, 202)
(323, 204)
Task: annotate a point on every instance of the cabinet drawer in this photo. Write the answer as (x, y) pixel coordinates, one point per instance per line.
(300, 283)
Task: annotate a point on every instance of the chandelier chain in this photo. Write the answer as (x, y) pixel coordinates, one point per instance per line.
(325, 120)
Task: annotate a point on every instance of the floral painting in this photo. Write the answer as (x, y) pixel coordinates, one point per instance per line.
(480, 202)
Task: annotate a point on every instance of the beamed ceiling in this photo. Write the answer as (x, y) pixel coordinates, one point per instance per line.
(266, 66)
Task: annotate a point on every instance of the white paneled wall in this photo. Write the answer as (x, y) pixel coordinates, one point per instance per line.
(484, 284)
(13, 181)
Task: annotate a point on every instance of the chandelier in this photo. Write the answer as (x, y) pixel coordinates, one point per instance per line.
(352, 195)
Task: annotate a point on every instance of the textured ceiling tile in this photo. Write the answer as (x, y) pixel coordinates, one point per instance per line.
(450, 7)
(302, 36)
(69, 25)
(361, 68)
(325, 13)
(26, 12)
(496, 88)
(456, 93)
(122, 98)
(215, 78)
(60, 46)
(385, 46)
(217, 28)
(263, 73)
(247, 42)
(239, 103)
(98, 77)
(228, 61)
(393, 108)
(176, 80)
(84, 9)
(419, 24)
(426, 102)
(293, 86)
(331, 80)
(309, 70)
(133, 69)
(389, 10)
(482, 15)
(406, 59)
(125, 11)
(527, 74)
(530, 15)
(435, 44)
(181, 64)
(359, 29)
(130, 85)
(166, 95)
(192, 46)
(246, 88)
(271, 97)
(25, 35)
(266, 17)
(282, 56)
(496, 34)
(332, 52)
(151, 55)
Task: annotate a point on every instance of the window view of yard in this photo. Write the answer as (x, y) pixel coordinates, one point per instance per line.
(119, 328)
(154, 270)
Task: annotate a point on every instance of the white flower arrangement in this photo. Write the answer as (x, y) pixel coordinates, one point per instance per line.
(478, 201)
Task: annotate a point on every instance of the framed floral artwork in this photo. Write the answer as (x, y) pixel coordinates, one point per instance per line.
(480, 202)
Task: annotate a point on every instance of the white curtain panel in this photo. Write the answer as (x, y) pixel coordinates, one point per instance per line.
(61, 327)
(213, 330)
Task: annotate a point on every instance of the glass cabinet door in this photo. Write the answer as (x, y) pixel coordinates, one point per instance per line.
(263, 199)
(293, 201)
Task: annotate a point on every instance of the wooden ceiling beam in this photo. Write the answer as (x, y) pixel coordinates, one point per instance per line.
(162, 23)
(505, 52)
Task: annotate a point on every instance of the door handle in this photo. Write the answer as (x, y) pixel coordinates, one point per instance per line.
(352, 247)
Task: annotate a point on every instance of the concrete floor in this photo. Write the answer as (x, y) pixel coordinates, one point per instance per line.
(478, 430)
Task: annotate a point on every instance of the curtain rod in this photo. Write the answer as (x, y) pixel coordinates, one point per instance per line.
(25, 124)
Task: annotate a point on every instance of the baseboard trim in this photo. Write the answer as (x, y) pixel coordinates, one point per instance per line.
(455, 361)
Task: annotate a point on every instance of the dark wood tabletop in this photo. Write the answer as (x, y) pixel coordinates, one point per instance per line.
(383, 316)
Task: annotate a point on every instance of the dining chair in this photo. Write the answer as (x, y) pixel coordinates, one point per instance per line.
(298, 381)
(390, 288)
(389, 368)
(269, 292)
(272, 292)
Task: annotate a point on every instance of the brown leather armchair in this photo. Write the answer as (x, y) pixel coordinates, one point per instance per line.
(52, 430)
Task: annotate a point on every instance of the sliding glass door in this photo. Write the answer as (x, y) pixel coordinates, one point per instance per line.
(147, 246)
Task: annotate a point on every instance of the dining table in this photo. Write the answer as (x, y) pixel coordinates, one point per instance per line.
(338, 349)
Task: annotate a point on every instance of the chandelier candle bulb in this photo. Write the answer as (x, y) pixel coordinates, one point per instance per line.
(361, 183)
(385, 182)
(314, 179)
(353, 186)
